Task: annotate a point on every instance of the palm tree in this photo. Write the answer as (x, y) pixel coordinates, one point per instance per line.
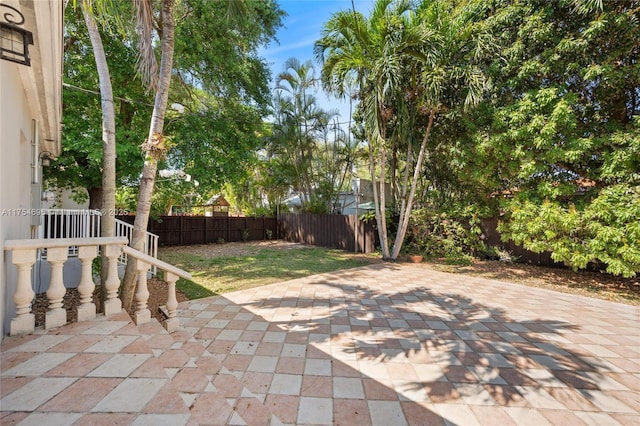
(374, 52)
(155, 146)
(299, 124)
(296, 86)
(450, 76)
(107, 223)
(406, 62)
(156, 78)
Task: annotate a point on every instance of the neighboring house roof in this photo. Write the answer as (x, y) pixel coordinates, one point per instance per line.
(367, 206)
(218, 200)
(293, 201)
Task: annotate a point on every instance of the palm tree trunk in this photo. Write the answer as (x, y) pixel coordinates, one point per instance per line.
(154, 149)
(404, 223)
(403, 201)
(107, 222)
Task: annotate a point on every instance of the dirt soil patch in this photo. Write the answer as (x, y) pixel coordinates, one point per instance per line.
(157, 298)
(593, 284)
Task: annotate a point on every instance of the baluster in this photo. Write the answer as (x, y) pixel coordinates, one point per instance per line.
(172, 323)
(56, 315)
(142, 314)
(87, 309)
(112, 305)
(25, 321)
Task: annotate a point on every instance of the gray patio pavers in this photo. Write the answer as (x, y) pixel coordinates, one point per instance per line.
(386, 344)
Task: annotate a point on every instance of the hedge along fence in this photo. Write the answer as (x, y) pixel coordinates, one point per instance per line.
(185, 230)
(328, 230)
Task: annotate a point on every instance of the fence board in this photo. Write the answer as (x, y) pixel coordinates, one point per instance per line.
(492, 237)
(185, 230)
(328, 230)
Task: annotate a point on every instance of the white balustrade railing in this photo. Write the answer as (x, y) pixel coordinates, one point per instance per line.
(69, 223)
(23, 255)
(81, 223)
(171, 274)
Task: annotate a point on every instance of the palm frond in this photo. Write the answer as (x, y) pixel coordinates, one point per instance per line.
(147, 63)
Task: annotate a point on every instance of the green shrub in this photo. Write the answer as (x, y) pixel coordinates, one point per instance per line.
(439, 235)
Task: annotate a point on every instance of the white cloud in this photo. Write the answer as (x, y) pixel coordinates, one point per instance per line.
(290, 46)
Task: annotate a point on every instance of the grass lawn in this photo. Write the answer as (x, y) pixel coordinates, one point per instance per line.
(222, 268)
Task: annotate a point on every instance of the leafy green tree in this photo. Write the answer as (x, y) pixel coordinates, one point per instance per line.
(563, 138)
(228, 137)
(80, 164)
(222, 84)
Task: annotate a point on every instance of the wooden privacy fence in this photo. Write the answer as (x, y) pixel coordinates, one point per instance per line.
(492, 238)
(184, 230)
(328, 230)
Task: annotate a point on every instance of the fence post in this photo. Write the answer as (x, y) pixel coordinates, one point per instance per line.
(181, 224)
(204, 239)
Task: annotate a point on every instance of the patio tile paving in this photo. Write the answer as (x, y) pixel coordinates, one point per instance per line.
(384, 344)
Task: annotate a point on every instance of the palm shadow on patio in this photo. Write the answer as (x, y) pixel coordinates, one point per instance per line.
(440, 354)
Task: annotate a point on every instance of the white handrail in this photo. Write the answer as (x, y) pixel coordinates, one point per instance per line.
(161, 264)
(142, 263)
(84, 223)
(124, 229)
(69, 223)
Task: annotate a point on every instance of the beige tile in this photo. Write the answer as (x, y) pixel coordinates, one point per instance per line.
(38, 365)
(607, 402)
(82, 395)
(38, 419)
(119, 365)
(112, 344)
(317, 411)
(131, 395)
(40, 343)
(286, 384)
(386, 413)
(264, 364)
(457, 414)
(488, 415)
(35, 393)
(527, 416)
(161, 419)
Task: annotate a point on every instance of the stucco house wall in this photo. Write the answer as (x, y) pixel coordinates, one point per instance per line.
(30, 116)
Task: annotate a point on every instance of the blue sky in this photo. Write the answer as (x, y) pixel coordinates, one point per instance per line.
(301, 29)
